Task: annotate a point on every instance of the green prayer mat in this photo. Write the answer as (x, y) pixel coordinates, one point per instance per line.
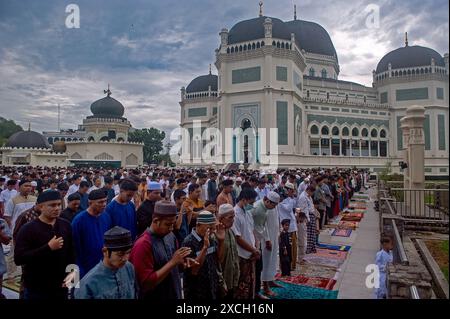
(294, 291)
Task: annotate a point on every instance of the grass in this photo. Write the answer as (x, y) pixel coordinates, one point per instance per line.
(439, 251)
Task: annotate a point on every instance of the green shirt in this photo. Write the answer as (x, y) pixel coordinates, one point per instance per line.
(230, 265)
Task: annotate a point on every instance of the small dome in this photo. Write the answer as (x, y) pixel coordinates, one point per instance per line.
(409, 56)
(107, 107)
(202, 83)
(27, 139)
(253, 29)
(59, 147)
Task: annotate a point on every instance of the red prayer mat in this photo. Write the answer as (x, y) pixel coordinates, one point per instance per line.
(335, 254)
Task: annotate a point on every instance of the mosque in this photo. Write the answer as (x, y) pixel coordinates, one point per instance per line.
(285, 75)
(101, 141)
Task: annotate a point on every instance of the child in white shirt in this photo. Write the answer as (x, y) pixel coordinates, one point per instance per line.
(383, 257)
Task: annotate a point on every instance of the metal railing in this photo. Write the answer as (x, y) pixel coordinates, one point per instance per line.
(429, 204)
(399, 251)
(414, 292)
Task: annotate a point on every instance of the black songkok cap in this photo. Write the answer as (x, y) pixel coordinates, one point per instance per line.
(118, 238)
(97, 194)
(48, 196)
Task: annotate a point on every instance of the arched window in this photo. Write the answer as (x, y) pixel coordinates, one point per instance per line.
(373, 133)
(50, 140)
(383, 134)
(104, 139)
(345, 131)
(365, 132)
(282, 45)
(69, 139)
(274, 43)
(278, 44)
(228, 50)
(258, 45)
(253, 46)
(325, 130)
(335, 131)
(262, 43)
(312, 72)
(324, 73)
(355, 132)
(245, 47)
(240, 48)
(91, 139)
(314, 130)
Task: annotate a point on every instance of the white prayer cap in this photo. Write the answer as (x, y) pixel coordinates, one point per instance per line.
(273, 197)
(289, 185)
(225, 209)
(33, 184)
(238, 179)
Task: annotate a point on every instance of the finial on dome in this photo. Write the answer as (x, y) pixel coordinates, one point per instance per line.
(260, 8)
(108, 91)
(210, 69)
(29, 126)
(295, 12)
(406, 39)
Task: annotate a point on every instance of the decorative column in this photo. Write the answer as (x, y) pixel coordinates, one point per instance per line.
(404, 126)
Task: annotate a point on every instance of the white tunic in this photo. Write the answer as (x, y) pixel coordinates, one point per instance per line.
(270, 257)
(382, 259)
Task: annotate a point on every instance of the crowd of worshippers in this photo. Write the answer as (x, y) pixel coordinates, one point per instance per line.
(163, 233)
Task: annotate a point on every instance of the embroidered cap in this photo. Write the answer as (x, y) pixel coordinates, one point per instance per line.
(206, 217)
(118, 238)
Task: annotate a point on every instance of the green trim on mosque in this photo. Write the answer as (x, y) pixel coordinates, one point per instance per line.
(348, 120)
(282, 122)
(412, 94)
(441, 131)
(399, 134)
(197, 112)
(246, 75)
(426, 128)
(282, 73)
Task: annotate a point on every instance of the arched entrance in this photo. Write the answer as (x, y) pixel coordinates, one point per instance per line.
(245, 143)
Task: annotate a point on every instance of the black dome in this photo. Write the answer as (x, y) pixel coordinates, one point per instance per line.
(27, 139)
(107, 107)
(253, 29)
(409, 56)
(312, 37)
(201, 83)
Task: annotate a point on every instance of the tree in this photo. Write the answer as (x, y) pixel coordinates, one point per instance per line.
(152, 139)
(7, 128)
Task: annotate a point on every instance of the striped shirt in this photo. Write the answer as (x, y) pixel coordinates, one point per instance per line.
(17, 205)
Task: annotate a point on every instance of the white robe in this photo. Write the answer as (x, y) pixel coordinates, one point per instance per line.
(270, 257)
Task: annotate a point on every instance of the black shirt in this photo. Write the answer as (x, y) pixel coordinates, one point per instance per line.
(144, 215)
(69, 214)
(44, 269)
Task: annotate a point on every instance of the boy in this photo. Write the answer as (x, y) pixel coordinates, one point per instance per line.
(5, 238)
(383, 257)
(285, 249)
(302, 235)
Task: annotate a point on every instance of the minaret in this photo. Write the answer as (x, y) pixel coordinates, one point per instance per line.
(295, 12)
(406, 39)
(260, 8)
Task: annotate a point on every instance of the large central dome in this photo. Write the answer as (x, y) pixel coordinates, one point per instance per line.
(107, 107)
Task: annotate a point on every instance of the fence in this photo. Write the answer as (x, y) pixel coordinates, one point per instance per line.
(421, 203)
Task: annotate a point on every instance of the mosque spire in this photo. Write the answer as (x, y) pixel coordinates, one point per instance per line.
(108, 91)
(406, 39)
(260, 8)
(295, 12)
(210, 69)
(29, 126)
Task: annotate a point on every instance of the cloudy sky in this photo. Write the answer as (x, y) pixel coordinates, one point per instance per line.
(148, 49)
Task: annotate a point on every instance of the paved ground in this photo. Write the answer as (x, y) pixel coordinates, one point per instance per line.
(365, 244)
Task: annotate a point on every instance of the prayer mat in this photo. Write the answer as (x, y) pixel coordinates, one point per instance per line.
(352, 218)
(318, 282)
(334, 247)
(348, 225)
(315, 259)
(342, 232)
(309, 270)
(328, 253)
(12, 284)
(293, 291)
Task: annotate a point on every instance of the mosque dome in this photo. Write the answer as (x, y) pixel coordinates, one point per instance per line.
(27, 139)
(107, 107)
(202, 83)
(409, 56)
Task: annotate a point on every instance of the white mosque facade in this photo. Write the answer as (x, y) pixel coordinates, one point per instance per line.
(285, 75)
